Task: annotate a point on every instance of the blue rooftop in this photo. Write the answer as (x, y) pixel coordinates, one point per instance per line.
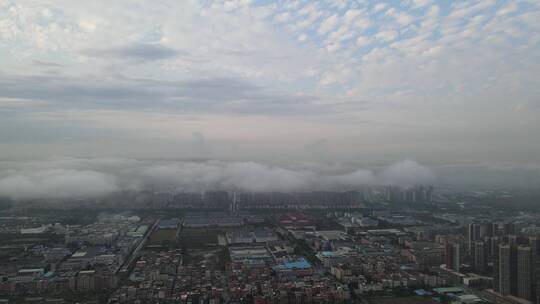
(448, 290)
(421, 292)
(168, 224)
(49, 274)
(300, 263)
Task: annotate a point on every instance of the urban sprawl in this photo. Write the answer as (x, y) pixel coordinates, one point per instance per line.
(374, 245)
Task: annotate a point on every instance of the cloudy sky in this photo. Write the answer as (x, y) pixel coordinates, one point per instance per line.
(370, 82)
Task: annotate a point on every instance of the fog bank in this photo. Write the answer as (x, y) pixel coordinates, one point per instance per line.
(86, 178)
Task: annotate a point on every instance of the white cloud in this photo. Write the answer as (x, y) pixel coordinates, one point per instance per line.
(357, 19)
(508, 9)
(333, 47)
(337, 74)
(352, 14)
(379, 7)
(57, 183)
(362, 41)
(421, 3)
(307, 16)
(230, 5)
(328, 24)
(386, 35)
(87, 178)
(401, 18)
(341, 34)
(404, 19)
(282, 17)
(407, 172)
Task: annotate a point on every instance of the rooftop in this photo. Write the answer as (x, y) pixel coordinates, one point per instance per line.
(168, 224)
(300, 263)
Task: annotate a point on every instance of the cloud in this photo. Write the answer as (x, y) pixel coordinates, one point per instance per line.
(362, 41)
(136, 51)
(406, 172)
(328, 24)
(57, 183)
(386, 35)
(79, 178)
(210, 95)
(379, 7)
(421, 3)
(47, 64)
(283, 17)
(244, 60)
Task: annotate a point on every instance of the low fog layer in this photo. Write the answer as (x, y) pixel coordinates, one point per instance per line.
(83, 178)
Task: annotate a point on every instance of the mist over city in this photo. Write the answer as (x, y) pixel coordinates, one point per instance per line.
(270, 152)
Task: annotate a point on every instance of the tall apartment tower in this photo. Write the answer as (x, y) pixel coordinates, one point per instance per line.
(517, 270)
(509, 228)
(512, 239)
(496, 276)
(524, 273)
(473, 235)
(451, 256)
(480, 256)
(534, 243)
(507, 274)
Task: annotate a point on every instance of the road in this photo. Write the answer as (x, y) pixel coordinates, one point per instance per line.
(134, 254)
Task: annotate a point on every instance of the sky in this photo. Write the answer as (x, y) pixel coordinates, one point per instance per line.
(366, 83)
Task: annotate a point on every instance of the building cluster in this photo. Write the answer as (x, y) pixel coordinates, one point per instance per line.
(299, 260)
(443, 253)
(153, 278)
(87, 260)
(354, 220)
(400, 194)
(303, 200)
(235, 263)
(235, 201)
(516, 268)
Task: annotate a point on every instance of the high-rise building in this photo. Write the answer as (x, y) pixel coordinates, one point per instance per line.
(507, 270)
(473, 235)
(512, 239)
(524, 273)
(429, 194)
(496, 229)
(509, 228)
(516, 269)
(480, 255)
(491, 229)
(492, 244)
(496, 274)
(216, 199)
(414, 194)
(534, 243)
(452, 256)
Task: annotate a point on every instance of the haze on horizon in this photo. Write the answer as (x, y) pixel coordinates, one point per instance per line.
(331, 88)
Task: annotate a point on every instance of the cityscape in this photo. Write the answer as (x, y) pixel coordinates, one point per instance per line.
(270, 152)
(381, 244)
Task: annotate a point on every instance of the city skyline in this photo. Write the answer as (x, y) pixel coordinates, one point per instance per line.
(270, 152)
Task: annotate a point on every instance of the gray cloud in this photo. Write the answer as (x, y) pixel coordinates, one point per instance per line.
(95, 177)
(214, 95)
(136, 51)
(57, 183)
(406, 172)
(47, 64)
